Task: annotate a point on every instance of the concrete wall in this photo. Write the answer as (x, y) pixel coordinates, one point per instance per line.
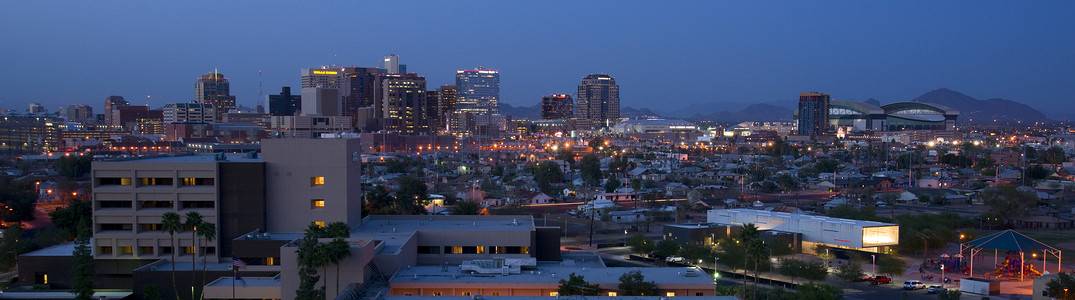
(290, 165)
(242, 203)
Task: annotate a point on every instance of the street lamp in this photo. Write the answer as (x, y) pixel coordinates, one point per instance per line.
(942, 276)
(874, 256)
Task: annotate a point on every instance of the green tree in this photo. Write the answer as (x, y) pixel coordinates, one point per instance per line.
(206, 231)
(74, 166)
(590, 170)
(786, 181)
(792, 268)
(68, 218)
(83, 262)
(9, 250)
(194, 219)
(639, 243)
(1053, 156)
(1008, 201)
(612, 184)
(731, 255)
(577, 285)
(827, 165)
(545, 174)
(695, 252)
(815, 271)
(984, 163)
(633, 284)
(947, 294)
(1062, 287)
(409, 196)
(890, 265)
(377, 199)
(1037, 172)
(666, 248)
(818, 291)
(170, 223)
(337, 230)
(466, 208)
(336, 251)
(310, 257)
(150, 292)
(850, 272)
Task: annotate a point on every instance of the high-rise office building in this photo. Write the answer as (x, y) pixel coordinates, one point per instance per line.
(213, 88)
(189, 112)
(358, 85)
(284, 104)
(321, 101)
(330, 77)
(557, 107)
(36, 108)
(113, 103)
(390, 65)
(80, 113)
(599, 101)
(402, 103)
(446, 98)
(478, 91)
(813, 113)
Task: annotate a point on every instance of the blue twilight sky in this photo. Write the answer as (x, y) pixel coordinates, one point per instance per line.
(664, 54)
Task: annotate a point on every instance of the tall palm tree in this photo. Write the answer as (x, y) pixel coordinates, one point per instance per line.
(337, 250)
(170, 223)
(749, 233)
(208, 232)
(194, 219)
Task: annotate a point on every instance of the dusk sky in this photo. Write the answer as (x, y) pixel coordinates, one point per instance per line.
(664, 55)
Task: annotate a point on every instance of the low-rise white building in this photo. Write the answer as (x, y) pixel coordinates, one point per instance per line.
(859, 235)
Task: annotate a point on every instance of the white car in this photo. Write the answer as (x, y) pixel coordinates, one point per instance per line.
(676, 259)
(934, 289)
(913, 285)
(881, 204)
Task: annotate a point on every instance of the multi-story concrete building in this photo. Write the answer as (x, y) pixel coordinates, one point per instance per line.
(478, 91)
(555, 107)
(189, 112)
(329, 77)
(29, 133)
(318, 101)
(213, 88)
(130, 198)
(307, 126)
(112, 103)
(312, 181)
(598, 105)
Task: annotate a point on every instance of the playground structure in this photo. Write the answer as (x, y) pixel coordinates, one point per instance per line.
(1017, 246)
(1010, 268)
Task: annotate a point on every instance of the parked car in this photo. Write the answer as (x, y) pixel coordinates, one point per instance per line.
(881, 204)
(864, 278)
(676, 259)
(913, 285)
(934, 289)
(880, 280)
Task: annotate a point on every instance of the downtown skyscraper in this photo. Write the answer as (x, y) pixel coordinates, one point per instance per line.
(813, 113)
(478, 91)
(213, 88)
(598, 105)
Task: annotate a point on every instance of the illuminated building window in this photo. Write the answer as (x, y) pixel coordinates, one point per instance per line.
(126, 250)
(317, 203)
(270, 261)
(106, 250)
(554, 294)
(466, 294)
(612, 294)
(188, 250)
(317, 181)
(319, 223)
(145, 250)
(670, 294)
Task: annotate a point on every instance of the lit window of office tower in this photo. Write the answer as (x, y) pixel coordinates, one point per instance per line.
(557, 107)
(478, 91)
(598, 104)
(213, 88)
(813, 113)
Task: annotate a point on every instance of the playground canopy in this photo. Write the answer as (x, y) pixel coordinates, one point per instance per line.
(1012, 241)
(1009, 240)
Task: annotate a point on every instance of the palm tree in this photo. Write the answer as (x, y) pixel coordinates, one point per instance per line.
(336, 251)
(208, 232)
(749, 233)
(170, 223)
(194, 219)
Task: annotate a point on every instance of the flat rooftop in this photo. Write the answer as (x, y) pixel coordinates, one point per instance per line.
(226, 281)
(545, 274)
(67, 249)
(394, 231)
(799, 217)
(230, 157)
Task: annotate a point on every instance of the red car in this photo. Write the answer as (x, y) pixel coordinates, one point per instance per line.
(880, 280)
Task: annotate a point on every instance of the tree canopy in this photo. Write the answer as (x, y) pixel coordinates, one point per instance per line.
(577, 285)
(633, 284)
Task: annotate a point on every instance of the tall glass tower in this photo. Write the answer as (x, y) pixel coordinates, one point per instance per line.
(478, 91)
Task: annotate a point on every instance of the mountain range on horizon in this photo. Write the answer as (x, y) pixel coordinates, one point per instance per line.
(971, 110)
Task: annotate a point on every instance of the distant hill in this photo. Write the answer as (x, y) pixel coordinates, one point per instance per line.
(976, 111)
(534, 112)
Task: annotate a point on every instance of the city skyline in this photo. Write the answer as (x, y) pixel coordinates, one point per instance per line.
(746, 52)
